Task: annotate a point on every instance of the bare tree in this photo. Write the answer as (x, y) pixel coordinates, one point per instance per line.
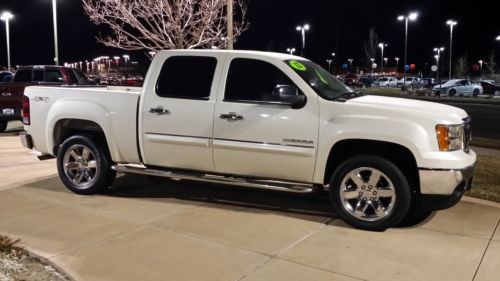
(491, 65)
(165, 24)
(370, 47)
(461, 67)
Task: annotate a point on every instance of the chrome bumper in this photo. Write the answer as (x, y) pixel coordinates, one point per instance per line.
(445, 182)
(26, 140)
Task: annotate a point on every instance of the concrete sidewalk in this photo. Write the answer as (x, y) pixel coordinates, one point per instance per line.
(191, 231)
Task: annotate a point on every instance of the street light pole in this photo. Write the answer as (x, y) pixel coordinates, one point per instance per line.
(350, 64)
(480, 70)
(303, 30)
(6, 16)
(333, 57)
(438, 51)
(382, 46)
(451, 23)
(371, 66)
(329, 65)
(54, 16)
(412, 17)
(397, 64)
(290, 50)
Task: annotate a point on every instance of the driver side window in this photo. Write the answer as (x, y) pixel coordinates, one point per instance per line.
(251, 80)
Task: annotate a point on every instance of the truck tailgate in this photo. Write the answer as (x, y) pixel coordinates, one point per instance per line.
(114, 109)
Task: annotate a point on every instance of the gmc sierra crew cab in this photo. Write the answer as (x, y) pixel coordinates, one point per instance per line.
(260, 120)
(11, 93)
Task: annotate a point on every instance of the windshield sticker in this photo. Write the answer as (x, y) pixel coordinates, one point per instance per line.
(321, 77)
(297, 65)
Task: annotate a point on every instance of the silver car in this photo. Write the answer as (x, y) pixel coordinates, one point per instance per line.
(385, 82)
(461, 87)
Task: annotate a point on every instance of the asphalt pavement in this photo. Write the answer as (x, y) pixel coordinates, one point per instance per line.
(485, 119)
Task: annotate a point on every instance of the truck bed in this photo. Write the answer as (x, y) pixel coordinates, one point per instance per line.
(113, 108)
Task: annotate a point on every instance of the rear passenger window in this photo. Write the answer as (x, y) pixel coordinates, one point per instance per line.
(38, 75)
(186, 77)
(53, 76)
(22, 76)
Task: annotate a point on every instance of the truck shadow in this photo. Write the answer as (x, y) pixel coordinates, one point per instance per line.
(137, 187)
(315, 204)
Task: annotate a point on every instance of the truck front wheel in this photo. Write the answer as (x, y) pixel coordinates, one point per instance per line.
(370, 193)
(84, 165)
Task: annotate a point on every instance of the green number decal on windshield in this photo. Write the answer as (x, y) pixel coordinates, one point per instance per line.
(297, 65)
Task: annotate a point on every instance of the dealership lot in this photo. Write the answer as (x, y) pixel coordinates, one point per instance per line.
(190, 231)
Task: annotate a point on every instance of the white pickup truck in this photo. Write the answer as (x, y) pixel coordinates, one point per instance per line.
(261, 120)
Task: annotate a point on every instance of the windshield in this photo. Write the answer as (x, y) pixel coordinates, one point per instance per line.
(322, 82)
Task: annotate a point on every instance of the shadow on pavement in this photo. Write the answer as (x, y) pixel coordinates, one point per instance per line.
(141, 188)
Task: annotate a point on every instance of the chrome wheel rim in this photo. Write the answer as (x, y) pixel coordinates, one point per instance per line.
(80, 166)
(367, 194)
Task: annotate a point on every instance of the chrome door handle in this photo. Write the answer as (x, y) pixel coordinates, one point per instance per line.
(158, 110)
(231, 117)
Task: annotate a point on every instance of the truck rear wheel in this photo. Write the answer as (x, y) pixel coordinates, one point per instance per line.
(3, 126)
(370, 193)
(84, 165)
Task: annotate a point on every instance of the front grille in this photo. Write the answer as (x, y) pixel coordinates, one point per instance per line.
(467, 134)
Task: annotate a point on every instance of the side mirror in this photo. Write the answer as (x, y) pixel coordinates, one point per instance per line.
(290, 95)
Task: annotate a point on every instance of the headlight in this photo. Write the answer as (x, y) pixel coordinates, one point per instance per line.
(450, 137)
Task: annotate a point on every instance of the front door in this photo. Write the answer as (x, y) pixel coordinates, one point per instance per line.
(256, 135)
(177, 116)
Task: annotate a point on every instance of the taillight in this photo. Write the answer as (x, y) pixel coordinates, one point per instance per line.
(26, 111)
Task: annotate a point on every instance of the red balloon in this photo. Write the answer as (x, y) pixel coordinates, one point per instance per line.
(412, 66)
(475, 67)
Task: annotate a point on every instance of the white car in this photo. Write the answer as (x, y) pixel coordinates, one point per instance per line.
(258, 120)
(385, 82)
(410, 81)
(461, 87)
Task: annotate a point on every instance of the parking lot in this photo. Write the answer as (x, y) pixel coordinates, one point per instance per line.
(138, 230)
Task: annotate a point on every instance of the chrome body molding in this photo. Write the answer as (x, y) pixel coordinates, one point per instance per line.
(270, 184)
(444, 182)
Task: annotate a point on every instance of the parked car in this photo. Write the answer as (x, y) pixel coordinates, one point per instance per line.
(386, 82)
(260, 120)
(428, 82)
(490, 87)
(352, 80)
(410, 81)
(461, 87)
(367, 80)
(11, 94)
(6, 76)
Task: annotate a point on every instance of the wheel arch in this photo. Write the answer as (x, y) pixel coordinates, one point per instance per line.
(398, 154)
(67, 127)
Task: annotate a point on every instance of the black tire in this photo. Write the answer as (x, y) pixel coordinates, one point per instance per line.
(394, 211)
(3, 126)
(88, 180)
(475, 93)
(452, 92)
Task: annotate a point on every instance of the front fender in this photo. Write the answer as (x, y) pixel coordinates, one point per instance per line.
(403, 132)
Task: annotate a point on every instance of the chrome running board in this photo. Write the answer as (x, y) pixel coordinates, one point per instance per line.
(230, 180)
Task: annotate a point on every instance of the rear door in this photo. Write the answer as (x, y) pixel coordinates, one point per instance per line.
(255, 135)
(178, 109)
